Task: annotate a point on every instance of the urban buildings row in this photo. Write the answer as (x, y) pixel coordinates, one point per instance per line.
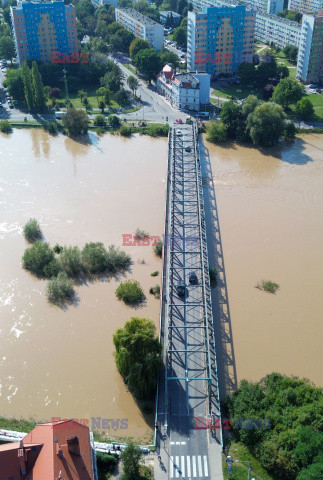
(305, 6)
(41, 28)
(141, 26)
(186, 91)
(220, 39)
(310, 54)
(51, 451)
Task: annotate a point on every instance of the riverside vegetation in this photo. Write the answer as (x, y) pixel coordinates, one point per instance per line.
(138, 356)
(64, 265)
(291, 449)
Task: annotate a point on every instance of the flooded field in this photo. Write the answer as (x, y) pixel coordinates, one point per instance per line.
(55, 362)
(270, 211)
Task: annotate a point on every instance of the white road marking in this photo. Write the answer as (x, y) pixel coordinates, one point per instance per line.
(171, 467)
(183, 443)
(183, 466)
(177, 467)
(172, 443)
(188, 466)
(206, 470)
(199, 462)
(194, 466)
(178, 443)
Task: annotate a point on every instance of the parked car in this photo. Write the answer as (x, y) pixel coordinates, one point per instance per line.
(180, 288)
(192, 278)
(179, 133)
(179, 120)
(188, 148)
(10, 105)
(312, 86)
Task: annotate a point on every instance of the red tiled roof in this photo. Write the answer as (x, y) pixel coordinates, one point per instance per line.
(58, 450)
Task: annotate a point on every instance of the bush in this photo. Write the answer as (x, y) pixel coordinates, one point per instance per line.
(268, 286)
(106, 464)
(216, 132)
(158, 248)
(52, 269)
(157, 130)
(130, 292)
(5, 126)
(290, 131)
(70, 261)
(60, 288)
(37, 257)
(114, 121)
(154, 274)
(141, 234)
(58, 248)
(32, 231)
(155, 291)
(94, 257)
(117, 260)
(51, 127)
(99, 120)
(125, 131)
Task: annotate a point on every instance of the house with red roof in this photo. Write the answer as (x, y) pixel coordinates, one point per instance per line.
(51, 451)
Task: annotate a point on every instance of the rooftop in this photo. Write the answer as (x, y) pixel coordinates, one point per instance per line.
(138, 16)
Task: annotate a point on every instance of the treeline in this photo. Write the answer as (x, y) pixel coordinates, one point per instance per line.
(292, 448)
(251, 122)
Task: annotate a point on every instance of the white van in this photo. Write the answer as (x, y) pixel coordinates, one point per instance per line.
(59, 115)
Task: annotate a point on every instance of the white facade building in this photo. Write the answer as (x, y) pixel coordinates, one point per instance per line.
(187, 91)
(310, 55)
(141, 26)
(305, 6)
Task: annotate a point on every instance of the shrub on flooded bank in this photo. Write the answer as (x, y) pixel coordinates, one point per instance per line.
(158, 248)
(37, 257)
(32, 231)
(60, 288)
(130, 292)
(268, 286)
(5, 126)
(155, 291)
(70, 261)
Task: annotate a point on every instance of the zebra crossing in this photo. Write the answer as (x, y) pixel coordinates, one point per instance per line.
(188, 466)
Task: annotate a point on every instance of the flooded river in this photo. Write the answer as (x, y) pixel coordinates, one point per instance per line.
(55, 362)
(60, 363)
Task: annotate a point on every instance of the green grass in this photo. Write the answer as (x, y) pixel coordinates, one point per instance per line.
(240, 470)
(317, 101)
(231, 90)
(17, 425)
(130, 67)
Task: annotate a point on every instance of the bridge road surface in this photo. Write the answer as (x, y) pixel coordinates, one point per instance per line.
(187, 390)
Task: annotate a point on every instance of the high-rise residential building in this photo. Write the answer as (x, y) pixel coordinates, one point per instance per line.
(268, 27)
(219, 39)
(100, 3)
(310, 56)
(305, 6)
(42, 28)
(141, 26)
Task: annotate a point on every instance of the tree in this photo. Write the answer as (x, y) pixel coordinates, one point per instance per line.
(265, 71)
(28, 87)
(76, 121)
(169, 58)
(291, 52)
(216, 132)
(305, 109)
(115, 43)
(148, 62)
(94, 255)
(133, 84)
(288, 92)
(137, 356)
(180, 36)
(15, 85)
(268, 91)
(7, 48)
(230, 116)
(313, 472)
(81, 94)
(136, 45)
(247, 73)
(55, 93)
(37, 257)
(266, 124)
(131, 462)
(112, 80)
(38, 88)
(290, 131)
(282, 71)
(249, 105)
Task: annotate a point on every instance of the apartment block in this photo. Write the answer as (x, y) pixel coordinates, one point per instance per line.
(141, 26)
(305, 6)
(100, 3)
(310, 55)
(41, 28)
(219, 39)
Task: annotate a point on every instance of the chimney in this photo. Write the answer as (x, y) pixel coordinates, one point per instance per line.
(73, 445)
(21, 460)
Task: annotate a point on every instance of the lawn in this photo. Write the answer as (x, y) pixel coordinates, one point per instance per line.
(231, 90)
(317, 101)
(240, 470)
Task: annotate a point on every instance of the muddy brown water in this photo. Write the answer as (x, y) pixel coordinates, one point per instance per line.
(59, 363)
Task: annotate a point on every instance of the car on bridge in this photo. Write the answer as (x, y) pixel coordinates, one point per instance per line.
(192, 278)
(180, 288)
